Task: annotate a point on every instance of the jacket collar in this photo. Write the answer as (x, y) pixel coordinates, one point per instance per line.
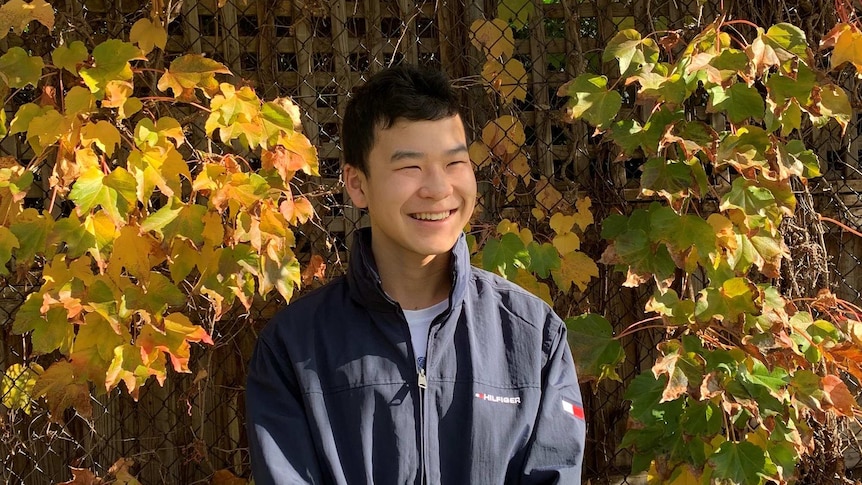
(364, 281)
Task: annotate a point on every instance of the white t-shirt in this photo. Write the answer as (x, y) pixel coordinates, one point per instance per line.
(419, 322)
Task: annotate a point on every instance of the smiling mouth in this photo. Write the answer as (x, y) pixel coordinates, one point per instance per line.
(431, 216)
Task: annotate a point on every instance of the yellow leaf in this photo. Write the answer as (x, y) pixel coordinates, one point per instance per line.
(538, 213)
(529, 282)
(547, 195)
(686, 475)
(62, 389)
(16, 14)
(575, 267)
(79, 100)
(86, 158)
(526, 236)
(16, 385)
(508, 80)
(567, 242)
(116, 93)
(213, 229)
(479, 154)
(506, 226)
(848, 48)
(103, 134)
(132, 251)
(492, 37)
(148, 34)
(561, 223)
(583, 218)
(504, 136)
(519, 165)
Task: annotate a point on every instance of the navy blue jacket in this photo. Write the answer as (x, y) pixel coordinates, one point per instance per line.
(334, 396)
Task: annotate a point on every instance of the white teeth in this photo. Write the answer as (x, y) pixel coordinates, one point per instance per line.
(431, 216)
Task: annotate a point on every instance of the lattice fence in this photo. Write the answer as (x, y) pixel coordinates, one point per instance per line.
(316, 52)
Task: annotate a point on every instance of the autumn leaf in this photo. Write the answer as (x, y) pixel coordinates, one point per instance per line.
(114, 193)
(93, 349)
(836, 393)
(103, 134)
(518, 12)
(174, 340)
(847, 42)
(148, 34)
(493, 37)
(16, 386)
(575, 267)
(133, 251)
(128, 366)
(17, 14)
(190, 72)
(316, 269)
(583, 216)
(506, 79)
(82, 476)
(225, 477)
(62, 389)
(529, 282)
(631, 51)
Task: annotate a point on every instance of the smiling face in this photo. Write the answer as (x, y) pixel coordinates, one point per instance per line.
(420, 189)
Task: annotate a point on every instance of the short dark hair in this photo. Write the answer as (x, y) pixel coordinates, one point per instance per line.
(401, 92)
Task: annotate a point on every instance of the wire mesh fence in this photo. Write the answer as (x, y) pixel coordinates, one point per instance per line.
(316, 52)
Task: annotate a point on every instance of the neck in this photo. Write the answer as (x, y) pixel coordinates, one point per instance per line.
(415, 284)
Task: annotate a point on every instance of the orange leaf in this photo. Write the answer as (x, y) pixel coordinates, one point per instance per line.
(225, 477)
(82, 476)
(316, 269)
(838, 394)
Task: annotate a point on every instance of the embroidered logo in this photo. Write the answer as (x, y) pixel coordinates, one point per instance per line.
(500, 399)
(573, 409)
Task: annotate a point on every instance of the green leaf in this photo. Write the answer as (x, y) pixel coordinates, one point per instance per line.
(675, 311)
(631, 51)
(54, 332)
(68, 57)
(590, 99)
(505, 255)
(8, 242)
(788, 37)
(157, 221)
(187, 224)
(543, 259)
(682, 232)
(79, 100)
(114, 192)
(683, 368)
(740, 102)
(807, 388)
(803, 162)
(111, 63)
(628, 135)
(517, 12)
(702, 419)
(31, 230)
(668, 178)
(740, 463)
(19, 69)
(645, 393)
(748, 197)
(782, 87)
(597, 353)
(655, 127)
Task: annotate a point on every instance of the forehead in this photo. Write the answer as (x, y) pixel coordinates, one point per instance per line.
(424, 136)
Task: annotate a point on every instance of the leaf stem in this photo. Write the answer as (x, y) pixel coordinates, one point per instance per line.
(840, 224)
(631, 328)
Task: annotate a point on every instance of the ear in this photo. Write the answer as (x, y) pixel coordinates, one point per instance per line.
(356, 182)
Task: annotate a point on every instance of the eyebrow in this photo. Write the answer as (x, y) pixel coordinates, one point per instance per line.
(410, 154)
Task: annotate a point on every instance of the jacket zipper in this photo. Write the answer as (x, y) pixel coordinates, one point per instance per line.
(423, 384)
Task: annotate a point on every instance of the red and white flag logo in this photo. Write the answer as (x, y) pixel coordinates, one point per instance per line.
(573, 409)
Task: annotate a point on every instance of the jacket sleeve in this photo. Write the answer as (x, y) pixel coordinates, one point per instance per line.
(280, 442)
(556, 448)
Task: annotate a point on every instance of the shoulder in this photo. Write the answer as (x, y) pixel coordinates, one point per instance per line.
(490, 288)
(308, 310)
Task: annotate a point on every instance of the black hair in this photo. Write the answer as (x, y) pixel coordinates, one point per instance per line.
(401, 92)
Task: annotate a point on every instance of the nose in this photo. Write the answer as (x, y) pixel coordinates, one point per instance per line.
(435, 184)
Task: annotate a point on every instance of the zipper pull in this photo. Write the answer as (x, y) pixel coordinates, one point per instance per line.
(423, 383)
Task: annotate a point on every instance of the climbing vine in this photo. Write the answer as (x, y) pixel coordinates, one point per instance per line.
(745, 374)
(153, 222)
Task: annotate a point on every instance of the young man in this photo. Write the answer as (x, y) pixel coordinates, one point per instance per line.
(414, 368)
